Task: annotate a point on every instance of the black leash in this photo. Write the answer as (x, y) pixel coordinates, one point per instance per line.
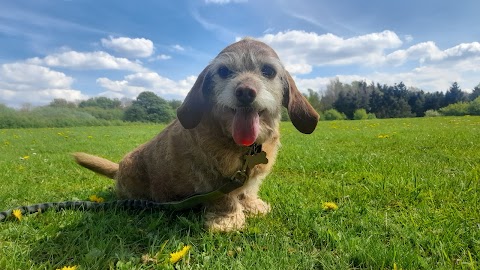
(252, 158)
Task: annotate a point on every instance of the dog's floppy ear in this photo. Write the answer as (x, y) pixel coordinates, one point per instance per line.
(191, 111)
(301, 113)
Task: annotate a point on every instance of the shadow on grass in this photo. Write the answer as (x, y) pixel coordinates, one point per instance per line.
(99, 239)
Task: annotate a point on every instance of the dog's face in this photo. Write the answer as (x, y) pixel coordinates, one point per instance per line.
(243, 89)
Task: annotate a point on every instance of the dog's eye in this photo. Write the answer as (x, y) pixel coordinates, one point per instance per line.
(224, 72)
(268, 72)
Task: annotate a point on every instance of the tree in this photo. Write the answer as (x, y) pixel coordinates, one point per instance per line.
(148, 107)
(346, 103)
(313, 98)
(475, 93)
(61, 103)
(416, 100)
(135, 114)
(454, 95)
(175, 104)
(330, 95)
(433, 101)
(101, 102)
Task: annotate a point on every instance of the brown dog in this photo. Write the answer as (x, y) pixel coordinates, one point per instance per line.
(235, 102)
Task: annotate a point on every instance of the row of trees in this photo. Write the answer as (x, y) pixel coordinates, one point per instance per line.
(386, 101)
(147, 107)
(357, 100)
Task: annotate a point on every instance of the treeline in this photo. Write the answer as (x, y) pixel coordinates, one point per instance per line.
(357, 100)
(341, 100)
(98, 111)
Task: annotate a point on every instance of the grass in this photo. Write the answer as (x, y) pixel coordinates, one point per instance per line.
(407, 191)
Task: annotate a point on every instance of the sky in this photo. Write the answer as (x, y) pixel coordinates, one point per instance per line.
(79, 49)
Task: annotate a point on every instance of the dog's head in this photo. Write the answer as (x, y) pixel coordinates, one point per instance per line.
(243, 89)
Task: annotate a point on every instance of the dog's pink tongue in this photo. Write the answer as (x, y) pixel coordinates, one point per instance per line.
(246, 124)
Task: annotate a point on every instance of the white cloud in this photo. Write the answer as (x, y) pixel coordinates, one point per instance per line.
(320, 83)
(28, 77)
(134, 84)
(129, 47)
(28, 83)
(429, 53)
(463, 51)
(160, 57)
(428, 78)
(301, 51)
(86, 60)
(429, 67)
(178, 47)
(408, 38)
(421, 52)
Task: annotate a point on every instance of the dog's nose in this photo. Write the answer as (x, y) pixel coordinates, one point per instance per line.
(245, 94)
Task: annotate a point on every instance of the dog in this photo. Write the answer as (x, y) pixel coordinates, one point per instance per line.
(235, 102)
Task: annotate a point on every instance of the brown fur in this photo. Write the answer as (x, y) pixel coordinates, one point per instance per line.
(196, 152)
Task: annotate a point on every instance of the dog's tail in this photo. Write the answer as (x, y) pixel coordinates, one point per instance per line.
(97, 164)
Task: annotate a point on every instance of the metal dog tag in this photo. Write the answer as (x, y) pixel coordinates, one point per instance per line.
(253, 160)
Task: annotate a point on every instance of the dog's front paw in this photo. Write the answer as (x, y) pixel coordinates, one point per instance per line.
(255, 206)
(224, 222)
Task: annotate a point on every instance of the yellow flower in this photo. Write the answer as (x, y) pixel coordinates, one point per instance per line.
(383, 136)
(330, 206)
(68, 268)
(25, 157)
(177, 256)
(17, 213)
(94, 198)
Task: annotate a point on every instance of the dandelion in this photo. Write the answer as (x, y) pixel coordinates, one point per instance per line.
(177, 256)
(25, 157)
(96, 199)
(383, 136)
(17, 213)
(330, 206)
(68, 268)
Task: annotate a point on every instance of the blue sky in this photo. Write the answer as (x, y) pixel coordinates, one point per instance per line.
(77, 49)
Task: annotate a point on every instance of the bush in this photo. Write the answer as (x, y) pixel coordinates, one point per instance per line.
(474, 107)
(360, 114)
(50, 117)
(371, 116)
(456, 109)
(333, 114)
(432, 113)
(105, 114)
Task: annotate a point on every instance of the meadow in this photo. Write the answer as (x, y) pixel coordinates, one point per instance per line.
(407, 191)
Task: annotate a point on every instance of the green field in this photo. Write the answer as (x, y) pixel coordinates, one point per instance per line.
(407, 190)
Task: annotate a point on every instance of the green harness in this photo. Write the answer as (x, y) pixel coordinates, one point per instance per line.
(251, 159)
